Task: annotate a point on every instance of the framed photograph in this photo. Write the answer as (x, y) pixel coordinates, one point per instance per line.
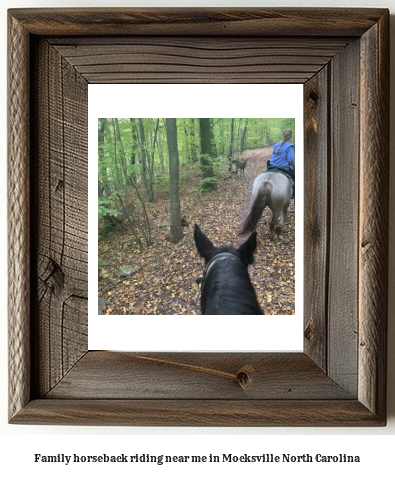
(341, 59)
(149, 295)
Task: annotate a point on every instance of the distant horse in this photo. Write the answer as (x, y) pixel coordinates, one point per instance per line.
(226, 288)
(272, 189)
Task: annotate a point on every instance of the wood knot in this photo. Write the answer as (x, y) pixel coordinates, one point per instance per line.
(244, 376)
(54, 276)
(313, 96)
(308, 332)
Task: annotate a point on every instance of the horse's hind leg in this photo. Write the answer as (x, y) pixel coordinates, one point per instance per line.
(285, 211)
(274, 226)
(283, 216)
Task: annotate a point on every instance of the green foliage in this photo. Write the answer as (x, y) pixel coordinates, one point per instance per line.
(104, 209)
(162, 182)
(121, 149)
(194, 190)
(208, 184)
(254, 142)
(124, 156)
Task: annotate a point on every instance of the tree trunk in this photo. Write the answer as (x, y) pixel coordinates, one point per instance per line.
(193, 142)
(160, 152)
(232, 138)
(102, 163)
(208, 180)
(117, 172)
(222, 129)
(134, 143)
(144, 163)
(238, 141)
(214, 151)
(123, 162)
(174, 174)
(151, 168)
(243, 146)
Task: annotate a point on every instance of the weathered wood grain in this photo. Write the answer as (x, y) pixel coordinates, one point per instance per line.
(61, 226)
(18, 213)
(163, 59)
(202, 413)
(261, 22)
(316, 206)
(183, 376)
(373, 226)
(343, 219)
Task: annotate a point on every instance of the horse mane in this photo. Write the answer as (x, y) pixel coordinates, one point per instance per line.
(228, 290)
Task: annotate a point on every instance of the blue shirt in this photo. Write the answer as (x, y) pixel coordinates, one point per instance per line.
(285, 157)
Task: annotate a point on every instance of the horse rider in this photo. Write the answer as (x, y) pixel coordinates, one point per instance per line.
(283, 157)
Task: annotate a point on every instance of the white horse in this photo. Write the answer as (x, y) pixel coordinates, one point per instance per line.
(272, 189)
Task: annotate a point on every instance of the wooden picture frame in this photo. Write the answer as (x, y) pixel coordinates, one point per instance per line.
(342, 58)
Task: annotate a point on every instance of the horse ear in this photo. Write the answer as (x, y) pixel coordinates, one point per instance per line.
(247, 250)
(203, 244)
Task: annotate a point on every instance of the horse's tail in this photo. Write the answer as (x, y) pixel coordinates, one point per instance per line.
(257, 208)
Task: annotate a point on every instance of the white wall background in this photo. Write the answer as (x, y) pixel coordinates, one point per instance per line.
(21, 442)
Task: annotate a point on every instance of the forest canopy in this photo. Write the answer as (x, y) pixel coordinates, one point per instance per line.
(134, 153)
(138, 146)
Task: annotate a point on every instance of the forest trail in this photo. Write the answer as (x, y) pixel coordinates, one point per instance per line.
(163, 276)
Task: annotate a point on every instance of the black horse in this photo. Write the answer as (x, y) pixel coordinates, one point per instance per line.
(226, 285)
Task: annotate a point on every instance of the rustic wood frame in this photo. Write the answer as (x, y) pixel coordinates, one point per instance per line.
(342, 57)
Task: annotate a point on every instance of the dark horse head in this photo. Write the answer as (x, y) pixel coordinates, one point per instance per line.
(226, 284)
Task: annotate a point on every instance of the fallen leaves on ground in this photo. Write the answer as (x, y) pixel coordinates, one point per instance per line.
(162, 278)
